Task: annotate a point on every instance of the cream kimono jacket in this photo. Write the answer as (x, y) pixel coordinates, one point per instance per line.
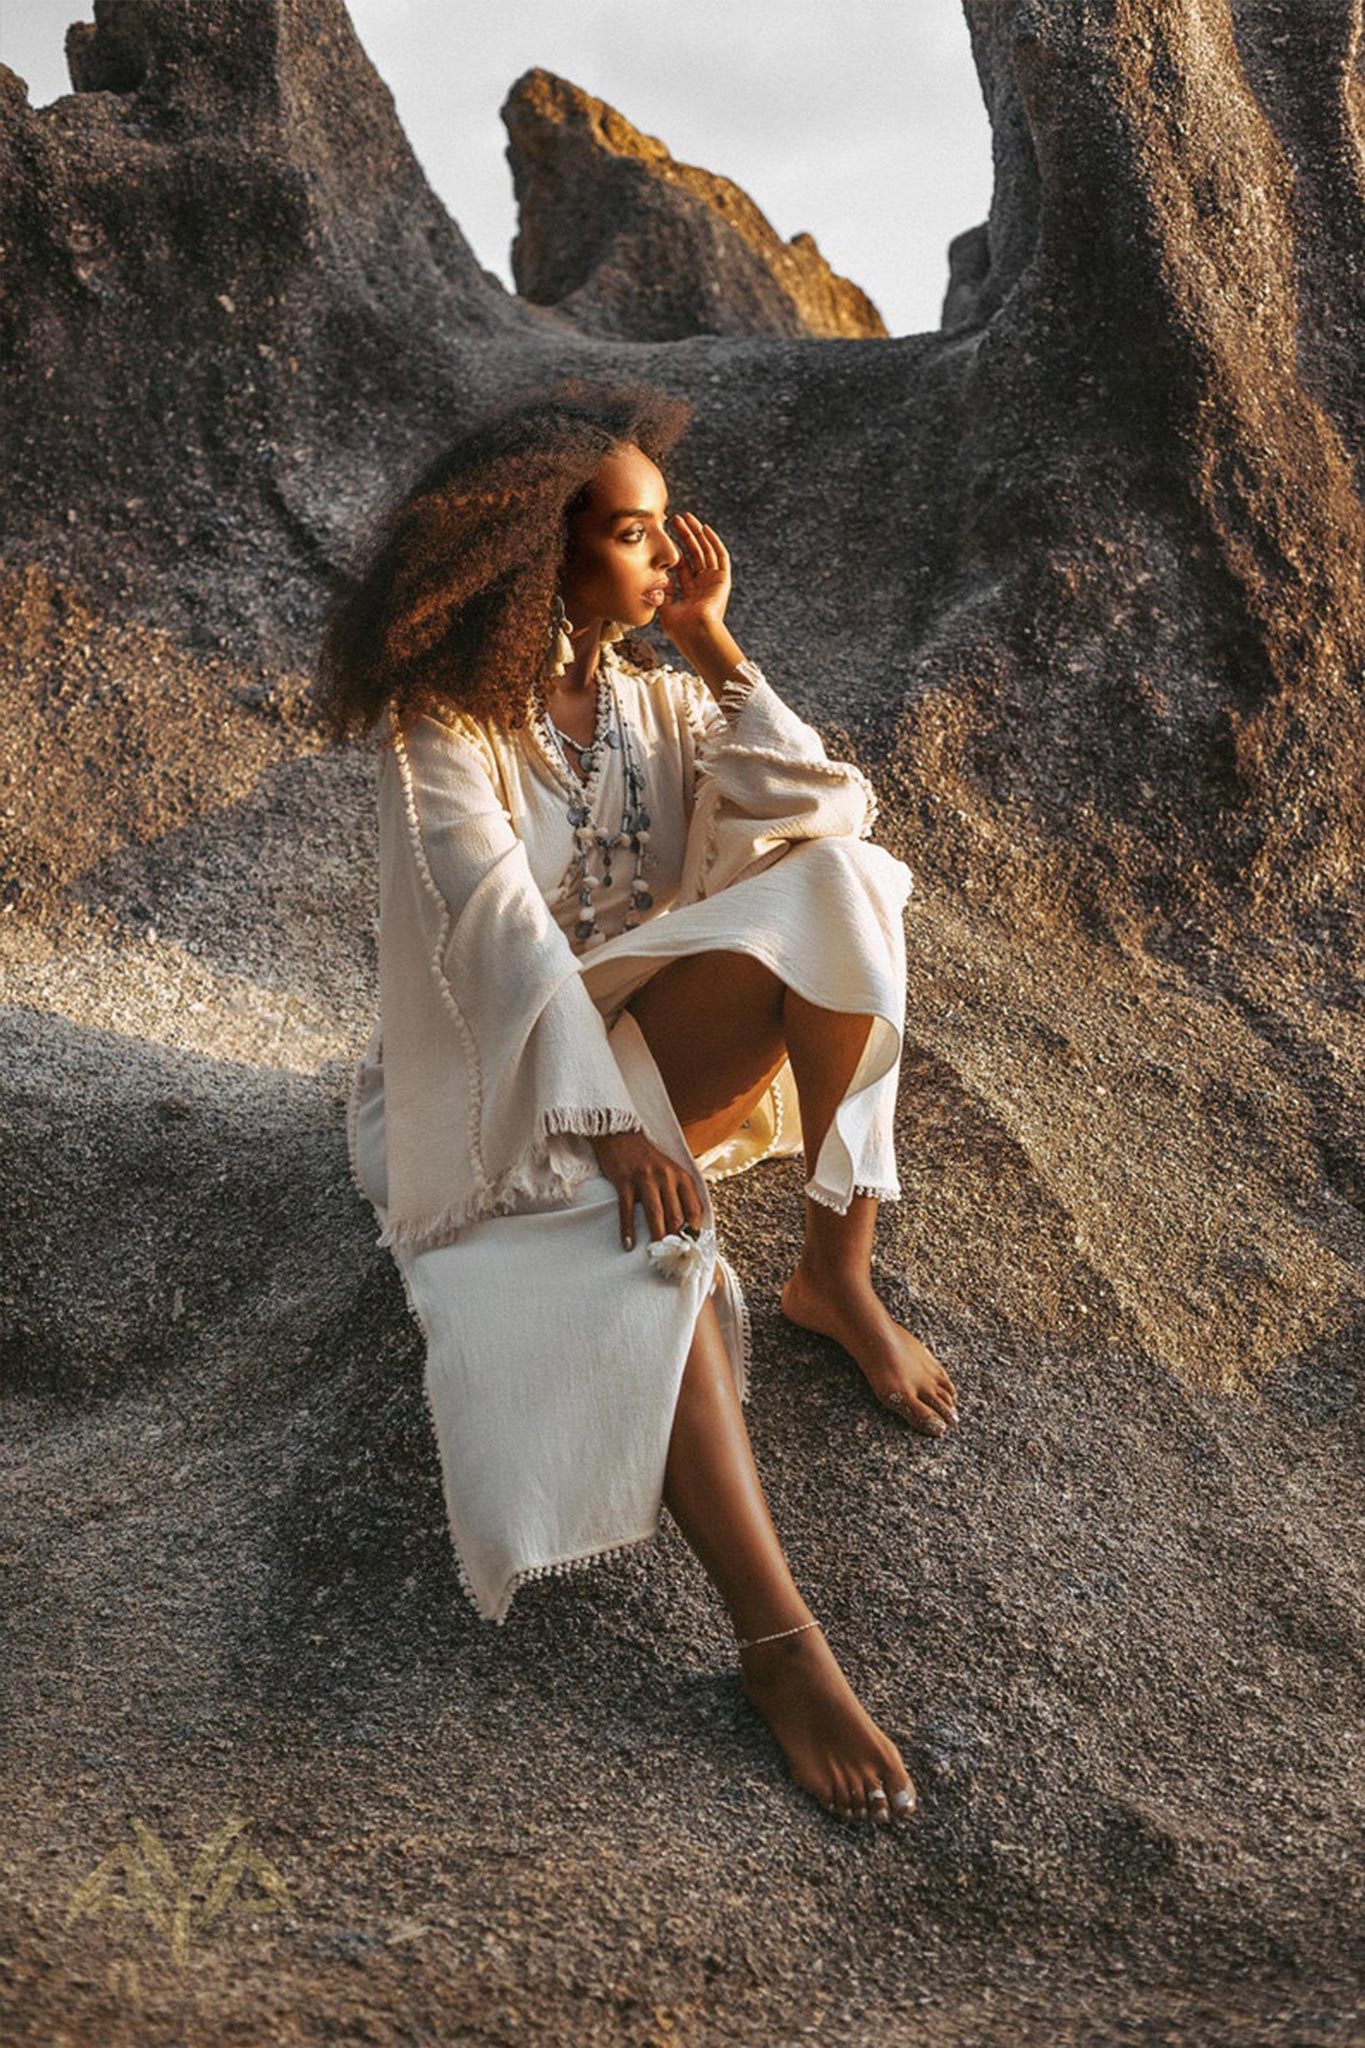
(501, 1048)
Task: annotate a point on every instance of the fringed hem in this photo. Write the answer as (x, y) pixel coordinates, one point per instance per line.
(890, 1192)
(737, 689)
(534, 1175)
(841, 771)
(592, 1122)
(556, 1568)
(427, 1233)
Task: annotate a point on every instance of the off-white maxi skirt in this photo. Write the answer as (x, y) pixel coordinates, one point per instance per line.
(555, 1357)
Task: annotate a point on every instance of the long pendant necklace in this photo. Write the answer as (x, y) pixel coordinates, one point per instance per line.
(612, 732)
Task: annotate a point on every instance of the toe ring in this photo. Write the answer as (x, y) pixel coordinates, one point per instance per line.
(876, 1793)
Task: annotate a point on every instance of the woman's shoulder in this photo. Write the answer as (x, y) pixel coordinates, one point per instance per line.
(446, 729)
(658, 681)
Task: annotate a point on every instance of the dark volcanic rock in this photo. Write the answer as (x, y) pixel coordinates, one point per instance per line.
(1163, 422)
(224, 271)
(622, 239)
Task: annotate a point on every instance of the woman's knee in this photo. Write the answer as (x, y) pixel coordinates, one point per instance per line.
(696, 985)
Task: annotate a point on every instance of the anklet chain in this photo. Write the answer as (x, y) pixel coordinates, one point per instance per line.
(748, 1645)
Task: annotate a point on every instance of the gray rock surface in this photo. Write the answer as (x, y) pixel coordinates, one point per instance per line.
(1076, 579)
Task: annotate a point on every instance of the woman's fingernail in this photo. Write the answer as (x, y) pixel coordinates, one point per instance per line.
(630, 1244)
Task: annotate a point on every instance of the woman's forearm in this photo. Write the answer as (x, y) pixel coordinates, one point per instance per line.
(715, 654)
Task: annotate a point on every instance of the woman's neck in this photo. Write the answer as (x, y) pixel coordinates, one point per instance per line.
(580, 677)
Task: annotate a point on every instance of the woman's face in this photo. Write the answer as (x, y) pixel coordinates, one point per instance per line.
(619, 554)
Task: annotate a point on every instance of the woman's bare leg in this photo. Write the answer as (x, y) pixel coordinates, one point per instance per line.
(714, 1024)
(719, 1025)
(712, 1489)
(831, 1288)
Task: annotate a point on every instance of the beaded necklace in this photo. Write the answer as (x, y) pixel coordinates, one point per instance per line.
(612, 734)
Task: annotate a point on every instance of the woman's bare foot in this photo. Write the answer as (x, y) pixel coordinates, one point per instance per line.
(834, 1748)
(903, 1373)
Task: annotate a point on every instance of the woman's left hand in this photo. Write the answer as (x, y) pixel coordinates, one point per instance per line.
(702, 582)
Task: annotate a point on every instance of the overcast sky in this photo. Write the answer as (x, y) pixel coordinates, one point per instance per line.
(860, 121)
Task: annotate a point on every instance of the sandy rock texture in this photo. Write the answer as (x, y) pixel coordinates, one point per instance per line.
(624, 241)
(1077, 579)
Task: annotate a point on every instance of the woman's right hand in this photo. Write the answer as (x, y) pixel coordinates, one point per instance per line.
(641, 1173)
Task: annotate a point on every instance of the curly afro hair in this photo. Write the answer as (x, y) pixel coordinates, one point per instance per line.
(450, 611)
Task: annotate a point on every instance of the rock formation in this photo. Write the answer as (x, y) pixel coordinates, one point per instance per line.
(1165, 363)
(232, 308)
(623, 240)
(1077, 578)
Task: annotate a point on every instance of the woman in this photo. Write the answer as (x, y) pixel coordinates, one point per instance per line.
(633, 937)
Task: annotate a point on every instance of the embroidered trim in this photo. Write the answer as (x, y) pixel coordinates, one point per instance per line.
(556, 1568)
(437, 957)
(528, 1175)
(889, 1193)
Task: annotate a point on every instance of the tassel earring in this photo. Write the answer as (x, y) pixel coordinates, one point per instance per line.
(561, 646)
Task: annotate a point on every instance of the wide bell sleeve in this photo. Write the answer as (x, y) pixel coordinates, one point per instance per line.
(762, 779)
(496, 1060)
